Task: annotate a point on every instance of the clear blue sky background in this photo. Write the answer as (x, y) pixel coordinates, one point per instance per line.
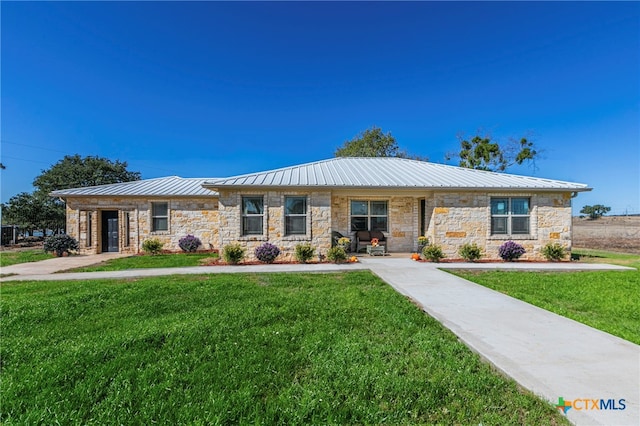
(209, 89)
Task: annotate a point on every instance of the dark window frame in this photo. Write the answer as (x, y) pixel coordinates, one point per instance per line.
(245, 216)
(507, 218)
(369, 216)
(288, 231)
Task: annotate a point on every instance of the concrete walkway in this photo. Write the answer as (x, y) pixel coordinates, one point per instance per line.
(546, 353)
(56, 264)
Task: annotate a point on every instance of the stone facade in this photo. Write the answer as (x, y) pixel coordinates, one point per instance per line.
(195, 216)
(451, 219)
(465, 217)
(318, 221)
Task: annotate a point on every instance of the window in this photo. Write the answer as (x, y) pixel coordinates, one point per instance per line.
(369, 215)
(252, 215)
(295, 215)
(159, 217)
(89, 229)
(509, 216)
(127, 229)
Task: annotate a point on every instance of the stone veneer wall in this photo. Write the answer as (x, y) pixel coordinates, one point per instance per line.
(402, 221)
(459, 218)
(452, 220)
(318, 221)
(195, 216)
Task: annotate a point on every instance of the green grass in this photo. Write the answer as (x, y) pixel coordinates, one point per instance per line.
(601, 256)
(13, 257)
(606, 300)
(146, 261)
(228, 349)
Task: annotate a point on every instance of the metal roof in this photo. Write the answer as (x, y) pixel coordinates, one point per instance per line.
(165, 186)
(389, 172)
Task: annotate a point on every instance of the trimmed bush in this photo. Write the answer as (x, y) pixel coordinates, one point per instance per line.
(554, 252)
(304, 252)
(233, 253)
(60, 244)
(470, 252)
(433, 253)
(189, 243)
(511, 251)
(267, 253)
(337, 254)
(152, 246)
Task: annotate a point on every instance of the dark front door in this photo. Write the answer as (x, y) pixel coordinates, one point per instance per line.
(109, 230)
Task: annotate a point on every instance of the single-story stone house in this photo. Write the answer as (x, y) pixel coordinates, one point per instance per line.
(305, 203)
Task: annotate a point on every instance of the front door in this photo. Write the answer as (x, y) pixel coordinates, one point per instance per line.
(109, 231)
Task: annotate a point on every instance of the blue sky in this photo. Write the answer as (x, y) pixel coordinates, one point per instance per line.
(208, 89)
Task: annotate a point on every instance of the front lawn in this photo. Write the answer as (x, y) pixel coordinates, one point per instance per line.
(22, 256)
(602, 256)
(606, 300)
(173, 260)
(247, 348)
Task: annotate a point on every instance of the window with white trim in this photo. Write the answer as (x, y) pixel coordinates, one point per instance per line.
(295, 215)
(252, 215)
(369, 215)
(159, 217)
(510, 216)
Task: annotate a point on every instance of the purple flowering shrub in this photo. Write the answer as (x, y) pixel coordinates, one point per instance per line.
(267, 253)
(189, 243)
(511, 251)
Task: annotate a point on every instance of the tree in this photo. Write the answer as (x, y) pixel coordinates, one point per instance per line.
(74, 171)
(373, 143)
(33, 211)
(596, 211)
(481, 153)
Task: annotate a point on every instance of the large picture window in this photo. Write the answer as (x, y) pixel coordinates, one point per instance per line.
(252, 215)
(159, 217)
(295, 215)
(509, 216)
(369, 215)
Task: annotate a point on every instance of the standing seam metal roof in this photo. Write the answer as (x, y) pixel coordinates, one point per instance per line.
(161, 187)
(389, 172)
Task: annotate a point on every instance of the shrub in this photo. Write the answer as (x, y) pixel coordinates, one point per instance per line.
(422, 242)
(304, 252)
(554, 251)
(189, 243)
(267, 253)
(433, 253)
(152, 246)
(337, 254)
(470, 252)
(511, 251)
(60, 244)
(233, 253)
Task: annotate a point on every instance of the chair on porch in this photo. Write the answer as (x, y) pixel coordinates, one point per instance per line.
(363, 239)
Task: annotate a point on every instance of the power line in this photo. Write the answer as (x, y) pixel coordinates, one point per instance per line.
(24, 159)
(32, 146)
